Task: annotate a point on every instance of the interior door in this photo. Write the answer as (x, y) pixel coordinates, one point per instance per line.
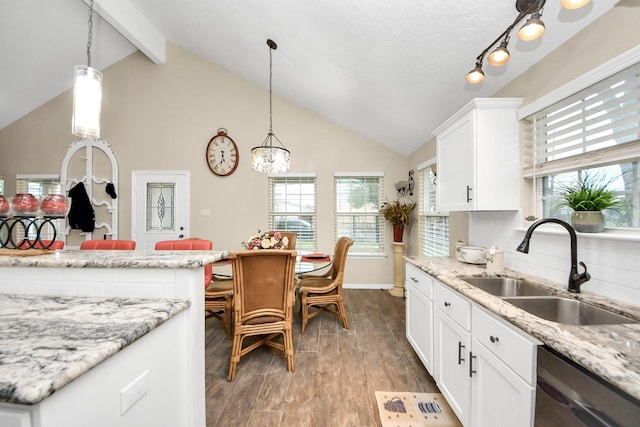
(159, 207)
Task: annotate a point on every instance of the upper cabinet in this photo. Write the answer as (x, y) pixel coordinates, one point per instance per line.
(478, 157)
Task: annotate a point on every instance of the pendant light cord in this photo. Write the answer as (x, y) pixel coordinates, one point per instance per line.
(270, 89)
(90, 36)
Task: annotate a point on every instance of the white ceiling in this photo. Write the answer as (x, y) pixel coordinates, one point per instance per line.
(389, 70)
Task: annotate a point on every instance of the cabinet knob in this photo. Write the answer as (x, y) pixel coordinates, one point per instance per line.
(493, 339)
(447, 304)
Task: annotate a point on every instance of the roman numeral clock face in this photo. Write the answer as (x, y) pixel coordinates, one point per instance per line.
(222, 154)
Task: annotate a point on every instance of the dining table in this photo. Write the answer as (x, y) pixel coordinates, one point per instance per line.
(306, 262)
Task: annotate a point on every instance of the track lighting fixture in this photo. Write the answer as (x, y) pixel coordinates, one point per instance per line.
(531, 30)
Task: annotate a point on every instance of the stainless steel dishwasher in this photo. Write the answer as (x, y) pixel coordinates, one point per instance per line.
(569, 395)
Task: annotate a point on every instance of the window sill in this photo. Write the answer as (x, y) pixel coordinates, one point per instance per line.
(607, 234)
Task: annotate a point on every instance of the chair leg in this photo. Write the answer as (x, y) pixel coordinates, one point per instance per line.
(343, 314)
(227, 318)
(304, 308)
(288, 350)
(235, 356)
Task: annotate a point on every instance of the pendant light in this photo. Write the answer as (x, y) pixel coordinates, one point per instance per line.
(269, 158)
(87, 94)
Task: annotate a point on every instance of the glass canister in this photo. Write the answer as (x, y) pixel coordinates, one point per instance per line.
(24, 204)
(55, 205)
(4, 206)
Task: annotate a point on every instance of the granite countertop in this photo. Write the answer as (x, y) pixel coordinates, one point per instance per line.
(114, 259)
(612, 352)
(40, 354)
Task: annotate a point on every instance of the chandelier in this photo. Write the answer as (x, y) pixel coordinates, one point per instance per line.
(533, 29)
(270, 158)
(87, 94)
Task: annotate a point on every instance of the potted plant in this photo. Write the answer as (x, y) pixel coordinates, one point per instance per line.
(530, 219)
(399, 215)
(588, 199)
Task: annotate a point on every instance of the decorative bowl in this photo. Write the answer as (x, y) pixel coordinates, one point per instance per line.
(4, 206)
(24, 204)
(54, 205)
(472, 254)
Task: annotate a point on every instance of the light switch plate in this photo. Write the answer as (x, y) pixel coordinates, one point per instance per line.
(134, 392)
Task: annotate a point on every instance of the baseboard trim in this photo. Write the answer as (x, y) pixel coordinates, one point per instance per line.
(367, 286)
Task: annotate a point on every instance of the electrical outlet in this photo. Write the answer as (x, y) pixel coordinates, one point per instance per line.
(134, 392)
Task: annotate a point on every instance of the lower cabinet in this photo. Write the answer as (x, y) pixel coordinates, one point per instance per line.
(419, 314)
(484, 366)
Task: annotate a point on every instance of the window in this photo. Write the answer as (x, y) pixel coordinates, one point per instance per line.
(595, 131)
(433, 226)
(358, 200)
(292, 207)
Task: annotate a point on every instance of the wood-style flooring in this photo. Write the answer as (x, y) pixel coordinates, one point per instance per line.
(336, 373)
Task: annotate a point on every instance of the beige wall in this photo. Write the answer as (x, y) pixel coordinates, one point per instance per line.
(160, 117)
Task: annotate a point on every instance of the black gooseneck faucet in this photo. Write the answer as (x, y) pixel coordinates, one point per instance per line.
(575, 279)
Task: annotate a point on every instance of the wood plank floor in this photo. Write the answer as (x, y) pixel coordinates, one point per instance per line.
(336, 373)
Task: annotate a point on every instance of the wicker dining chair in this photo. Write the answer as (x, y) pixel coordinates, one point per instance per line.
(323, 292)
(292, 236)
(263, 299)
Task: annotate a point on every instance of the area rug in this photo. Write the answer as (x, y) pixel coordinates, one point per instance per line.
(414, 410)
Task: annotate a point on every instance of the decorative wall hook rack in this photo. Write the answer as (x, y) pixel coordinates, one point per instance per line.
(405, 188)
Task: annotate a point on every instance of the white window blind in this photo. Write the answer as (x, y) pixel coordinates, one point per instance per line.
(433, 226)
(596, 126)
(292, 207)
(358, 198)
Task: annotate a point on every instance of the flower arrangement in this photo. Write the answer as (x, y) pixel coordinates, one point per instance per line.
(266, 240)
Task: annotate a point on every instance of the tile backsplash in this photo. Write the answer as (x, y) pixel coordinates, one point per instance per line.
(614, 263)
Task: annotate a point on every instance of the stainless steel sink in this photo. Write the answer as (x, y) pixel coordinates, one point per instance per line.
(506, 287)
(567, 311)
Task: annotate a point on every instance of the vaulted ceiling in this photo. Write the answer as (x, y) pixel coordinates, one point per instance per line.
(389, 70)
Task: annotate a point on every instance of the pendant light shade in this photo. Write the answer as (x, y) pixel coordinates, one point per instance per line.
(87, 102)
(500, 55)
(87, 94)
(270, 158)
(533, 29)
(574, 4)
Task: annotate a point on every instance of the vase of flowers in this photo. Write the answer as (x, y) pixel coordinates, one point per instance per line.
(266, 240)
(399, 215)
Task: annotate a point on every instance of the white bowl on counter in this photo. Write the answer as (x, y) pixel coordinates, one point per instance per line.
(472, 254)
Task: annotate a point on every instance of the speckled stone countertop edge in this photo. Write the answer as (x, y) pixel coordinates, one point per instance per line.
(612, 352)
(33, 368)
(115, 259)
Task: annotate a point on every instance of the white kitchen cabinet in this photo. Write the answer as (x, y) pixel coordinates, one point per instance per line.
(503, 383)
(419, 314)
(478, 157)
(452, 318)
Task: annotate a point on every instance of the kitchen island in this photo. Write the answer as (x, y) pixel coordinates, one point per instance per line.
(65, 360)
(128, 274)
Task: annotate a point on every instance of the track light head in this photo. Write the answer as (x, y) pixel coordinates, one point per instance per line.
(533, 29)
(500, 55)
(476, 75)
(574, 4)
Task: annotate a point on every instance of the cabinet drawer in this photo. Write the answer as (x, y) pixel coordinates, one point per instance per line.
(512, 346)
(453, 304)
(421, 281)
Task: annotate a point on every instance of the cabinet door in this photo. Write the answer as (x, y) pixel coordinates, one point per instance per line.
(419, 318)
(452, 364)
(456, 166)
(499, 396)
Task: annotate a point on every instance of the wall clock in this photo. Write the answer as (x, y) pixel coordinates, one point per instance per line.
(222, 154)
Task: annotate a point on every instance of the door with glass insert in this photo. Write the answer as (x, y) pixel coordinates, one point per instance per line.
(160, 207)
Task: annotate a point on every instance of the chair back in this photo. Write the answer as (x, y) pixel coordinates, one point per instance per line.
(189, 245)
(41, 244)
(263, 285)
(108, 245)
(292, 236)
(340, 260)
